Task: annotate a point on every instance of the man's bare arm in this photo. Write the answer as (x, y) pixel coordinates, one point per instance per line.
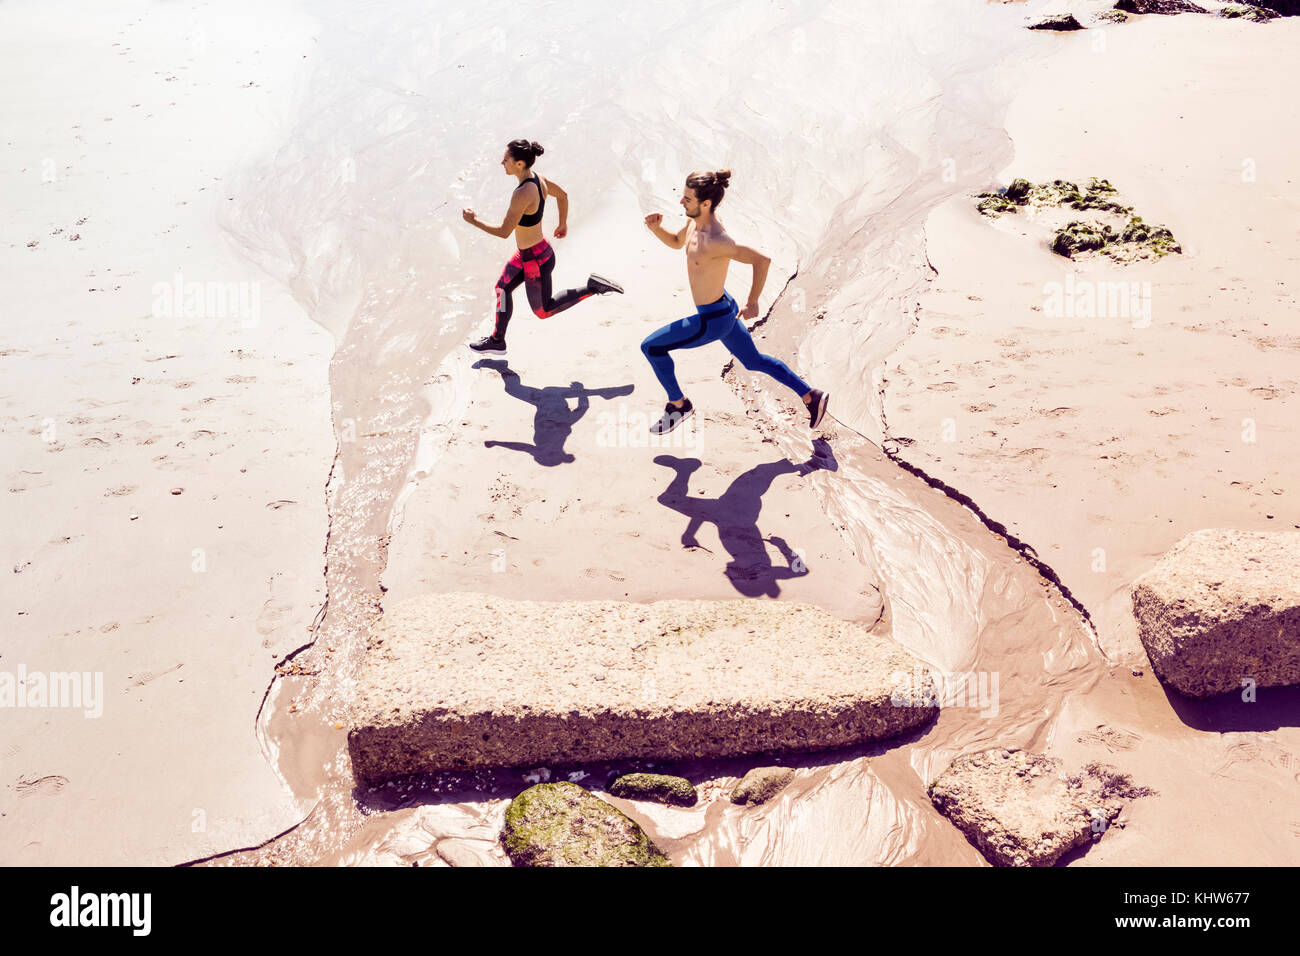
(667, 238)
(513, 215)
(760, 263)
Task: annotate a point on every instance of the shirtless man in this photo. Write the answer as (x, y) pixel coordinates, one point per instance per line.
(717, 318)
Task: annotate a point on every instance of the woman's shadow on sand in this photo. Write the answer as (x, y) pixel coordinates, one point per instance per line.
(554, 420)
(735, 514)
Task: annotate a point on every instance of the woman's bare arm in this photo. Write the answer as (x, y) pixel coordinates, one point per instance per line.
(513, 215)
(561, 205)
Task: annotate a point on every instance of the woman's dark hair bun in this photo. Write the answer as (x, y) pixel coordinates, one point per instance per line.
(524, 150)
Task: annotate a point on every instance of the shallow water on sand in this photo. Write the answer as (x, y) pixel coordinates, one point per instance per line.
(846, 122)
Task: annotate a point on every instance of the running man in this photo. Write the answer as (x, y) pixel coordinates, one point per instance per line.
(717, 318)
(533, 264)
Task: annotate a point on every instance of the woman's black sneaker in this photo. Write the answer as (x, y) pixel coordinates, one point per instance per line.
(817, 407)
(600, 285)
(490, 346)
(672, 417)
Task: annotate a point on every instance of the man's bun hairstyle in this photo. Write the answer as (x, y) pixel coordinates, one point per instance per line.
(525, 150)
(710, 186)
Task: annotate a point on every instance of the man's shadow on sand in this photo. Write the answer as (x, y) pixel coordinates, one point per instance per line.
(735, 513)
(554, 420)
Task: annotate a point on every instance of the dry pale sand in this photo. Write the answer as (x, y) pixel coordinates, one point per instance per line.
(1101, 440)
(180, 601)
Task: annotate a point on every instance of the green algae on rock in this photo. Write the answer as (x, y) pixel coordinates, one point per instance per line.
(1076, 236)
(1160, 239)
(1244, 12)
(656, 787)
(761, 784)
(1114, 231)
(1057, 21)
(993, 203)
(561, 824)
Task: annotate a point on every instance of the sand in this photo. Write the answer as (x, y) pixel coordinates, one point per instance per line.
(187, 762)
(181, 602)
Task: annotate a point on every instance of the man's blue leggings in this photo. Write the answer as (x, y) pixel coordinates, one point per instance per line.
(716, 322)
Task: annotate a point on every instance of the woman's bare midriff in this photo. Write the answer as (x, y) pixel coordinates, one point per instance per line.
(529, 236)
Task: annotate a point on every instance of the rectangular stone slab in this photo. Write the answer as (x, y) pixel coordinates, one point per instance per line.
(461, 681)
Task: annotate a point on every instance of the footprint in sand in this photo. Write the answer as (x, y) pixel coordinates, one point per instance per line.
(94, 443)
(1060, 411)
(280, 503)
(1266, 392)
(41, 786)
(1256, 751)
(120, 490)
(146, 677)
(271, 617)
(241, 379)
(1110, 738)
(943, 387)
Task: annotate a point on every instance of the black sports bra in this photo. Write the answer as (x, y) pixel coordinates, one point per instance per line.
(535, 218)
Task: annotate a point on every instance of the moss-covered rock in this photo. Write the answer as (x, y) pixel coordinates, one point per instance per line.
(991, 204)
(656, 787)
(1112, 16)
(1134, 240)
(1057, 21)
(1018, 191)
(1076, 237)
(1160, 239)
(1246, 12)
(761, 784)
(561, 824)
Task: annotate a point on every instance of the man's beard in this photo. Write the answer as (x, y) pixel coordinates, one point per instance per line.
(693, 215)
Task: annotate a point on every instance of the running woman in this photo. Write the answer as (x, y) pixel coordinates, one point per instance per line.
(717, 318)
(533, 264)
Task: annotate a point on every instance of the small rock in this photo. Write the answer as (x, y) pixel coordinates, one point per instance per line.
(1245, 12)
(1017, 809)
(561, 824)
(1057, 21)
(761, 784)
(655, 787)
